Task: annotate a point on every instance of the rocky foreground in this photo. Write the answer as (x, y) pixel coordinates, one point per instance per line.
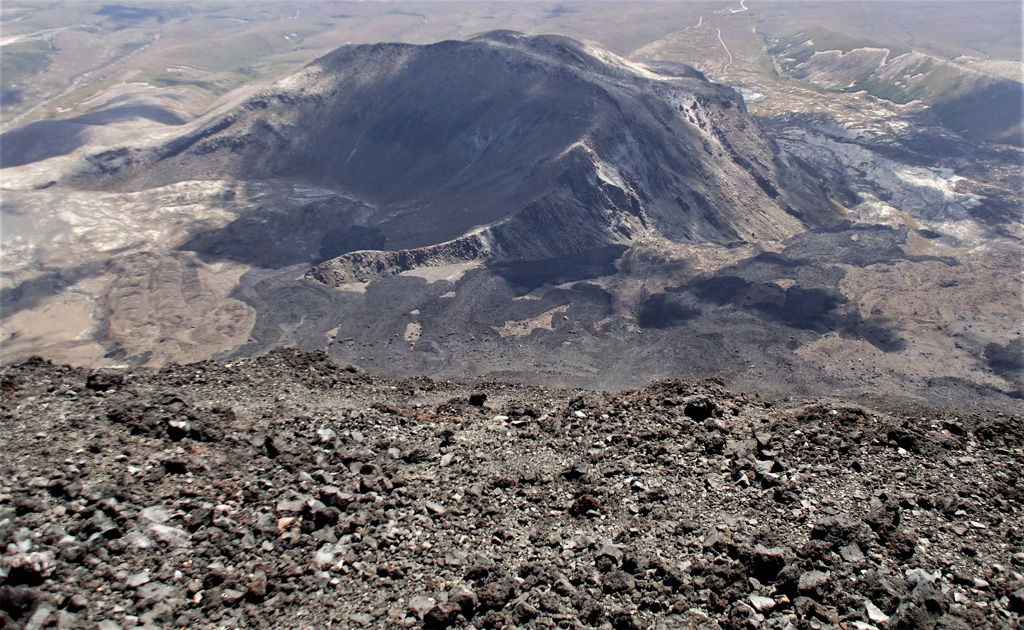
(289, 492)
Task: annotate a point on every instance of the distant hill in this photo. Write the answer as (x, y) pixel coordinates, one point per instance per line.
(503, 147)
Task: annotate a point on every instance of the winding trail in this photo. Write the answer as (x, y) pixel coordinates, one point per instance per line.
(726, 50)
(743, 7)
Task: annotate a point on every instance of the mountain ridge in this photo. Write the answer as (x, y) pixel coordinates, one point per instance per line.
(544, 258)
(544, 144)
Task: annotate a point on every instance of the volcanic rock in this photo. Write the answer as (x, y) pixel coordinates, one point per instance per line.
(249, 540)
(557, 145)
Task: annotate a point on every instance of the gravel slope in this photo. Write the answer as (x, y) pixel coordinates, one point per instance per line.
(288, 492)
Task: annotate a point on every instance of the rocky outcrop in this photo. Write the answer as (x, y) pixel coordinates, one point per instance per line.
(368, 265)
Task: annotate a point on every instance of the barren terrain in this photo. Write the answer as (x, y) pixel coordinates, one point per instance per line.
(906, 283)
(392, 335)
(288, 492)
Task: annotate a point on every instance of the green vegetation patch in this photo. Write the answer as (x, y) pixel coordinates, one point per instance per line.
(803, 45)
(126, 16)
(26, 59)
(969, 104)
(414, 14)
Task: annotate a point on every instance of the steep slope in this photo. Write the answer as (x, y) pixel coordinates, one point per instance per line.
(523, 147)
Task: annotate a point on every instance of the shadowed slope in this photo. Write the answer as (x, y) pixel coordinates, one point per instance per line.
(528, 146)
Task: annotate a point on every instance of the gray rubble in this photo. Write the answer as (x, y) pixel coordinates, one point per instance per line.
(289, 492)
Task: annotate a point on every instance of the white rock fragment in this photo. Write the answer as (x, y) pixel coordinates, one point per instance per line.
(155, 514)
(138, 579)
(171, 536)
(875, 614)
(326, 435)
(917, 576)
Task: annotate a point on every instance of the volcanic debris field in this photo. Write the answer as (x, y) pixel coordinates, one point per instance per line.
(289, 492)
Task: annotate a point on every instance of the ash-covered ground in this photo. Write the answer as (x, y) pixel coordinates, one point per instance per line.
(288, 492)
